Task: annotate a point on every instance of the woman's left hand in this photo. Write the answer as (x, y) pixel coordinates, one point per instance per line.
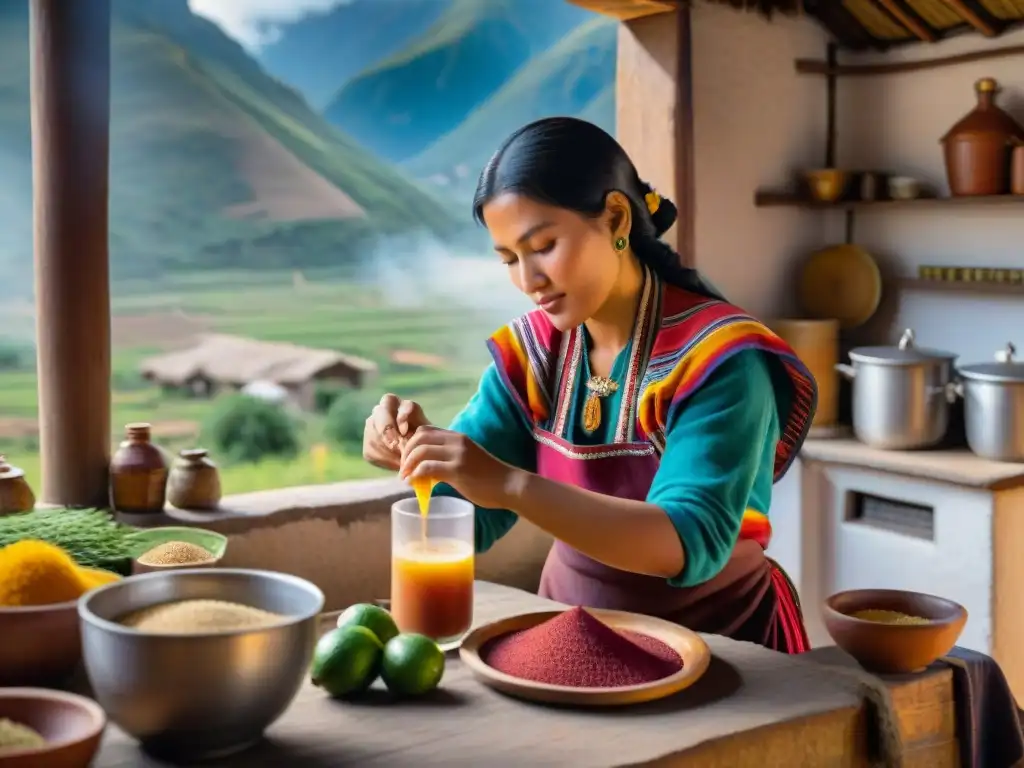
(450, 457)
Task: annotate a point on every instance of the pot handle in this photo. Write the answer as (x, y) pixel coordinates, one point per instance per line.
(846, 371)
(950, 391)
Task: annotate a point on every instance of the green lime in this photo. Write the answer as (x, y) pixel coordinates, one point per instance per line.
(412, 665)
(346, 660)
(373, 617)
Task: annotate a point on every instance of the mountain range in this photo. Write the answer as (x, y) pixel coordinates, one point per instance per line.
(213, 161)
(372, 118)
(436, 86)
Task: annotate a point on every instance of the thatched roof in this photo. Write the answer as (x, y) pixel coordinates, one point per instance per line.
(859, 24)
(239, 361)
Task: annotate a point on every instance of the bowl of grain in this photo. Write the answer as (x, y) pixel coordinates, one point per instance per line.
(175, 548)
(40, 727)
(197, 663)
(891, 631)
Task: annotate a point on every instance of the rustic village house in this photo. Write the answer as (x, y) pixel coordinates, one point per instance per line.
(218, 362)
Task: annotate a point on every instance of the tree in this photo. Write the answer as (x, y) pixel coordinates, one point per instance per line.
(347, 418)
(248, 429)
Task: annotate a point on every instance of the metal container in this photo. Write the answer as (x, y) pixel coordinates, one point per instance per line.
(993, 396)
(901, 395)
(193, 697)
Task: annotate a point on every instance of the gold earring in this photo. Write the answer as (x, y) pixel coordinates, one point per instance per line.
(620, 244)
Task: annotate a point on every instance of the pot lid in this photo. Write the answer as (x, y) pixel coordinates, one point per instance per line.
(1004, 369)
(8, 472)
(986, 118)
(905, 353)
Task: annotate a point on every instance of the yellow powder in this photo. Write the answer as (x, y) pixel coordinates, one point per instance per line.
(198, 617)
(176, 553)
(94, 577)
(37, 573)
(17, 736)
(889, 617)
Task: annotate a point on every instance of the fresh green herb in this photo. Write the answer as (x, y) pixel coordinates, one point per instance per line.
(90, 536)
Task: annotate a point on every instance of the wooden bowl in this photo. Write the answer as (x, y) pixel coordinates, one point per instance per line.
(72, 726)
(826, 185)
(689, 645)
(894, 648)
(41, 645)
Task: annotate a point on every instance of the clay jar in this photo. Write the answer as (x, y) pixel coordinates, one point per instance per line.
(194, 481)
(977, 149)
(15, 493)
(138, 474)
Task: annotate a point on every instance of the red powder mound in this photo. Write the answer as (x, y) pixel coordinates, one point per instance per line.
(577, 650)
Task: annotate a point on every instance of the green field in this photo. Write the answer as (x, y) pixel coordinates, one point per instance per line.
(328, 313)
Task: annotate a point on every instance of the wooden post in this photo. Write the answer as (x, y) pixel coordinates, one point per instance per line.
(70, 141)
(654, 112)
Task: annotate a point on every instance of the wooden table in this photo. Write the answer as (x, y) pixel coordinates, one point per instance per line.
(753, 708)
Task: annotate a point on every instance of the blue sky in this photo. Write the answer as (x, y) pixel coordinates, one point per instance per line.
(254, 22)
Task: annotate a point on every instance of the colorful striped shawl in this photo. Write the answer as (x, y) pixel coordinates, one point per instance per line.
(694, 335)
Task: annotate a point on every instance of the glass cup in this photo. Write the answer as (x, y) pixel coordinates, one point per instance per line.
(432, 569)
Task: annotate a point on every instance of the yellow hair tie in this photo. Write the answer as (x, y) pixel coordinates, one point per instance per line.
(653, 200)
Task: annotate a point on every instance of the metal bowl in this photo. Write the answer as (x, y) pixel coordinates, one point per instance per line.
(192, 697)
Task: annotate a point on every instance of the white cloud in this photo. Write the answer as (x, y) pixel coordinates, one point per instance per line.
(254, 23)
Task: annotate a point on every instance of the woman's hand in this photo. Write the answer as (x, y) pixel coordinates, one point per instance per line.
(450, 457)
(391, 423)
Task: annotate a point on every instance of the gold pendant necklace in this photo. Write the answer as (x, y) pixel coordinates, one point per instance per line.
(599, 387)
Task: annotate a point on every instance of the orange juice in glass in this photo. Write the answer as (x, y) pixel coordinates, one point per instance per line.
(432, 569)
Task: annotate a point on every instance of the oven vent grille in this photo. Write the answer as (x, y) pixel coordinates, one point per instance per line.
(901, 517)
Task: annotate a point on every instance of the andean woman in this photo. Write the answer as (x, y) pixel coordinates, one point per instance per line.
(635, 415)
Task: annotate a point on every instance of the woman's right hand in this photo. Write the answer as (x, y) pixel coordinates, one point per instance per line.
(391, 423)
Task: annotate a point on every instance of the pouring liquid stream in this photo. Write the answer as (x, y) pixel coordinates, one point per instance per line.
(423, 488)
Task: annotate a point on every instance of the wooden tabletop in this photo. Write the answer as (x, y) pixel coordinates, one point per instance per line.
(952, 466)
(753, 708)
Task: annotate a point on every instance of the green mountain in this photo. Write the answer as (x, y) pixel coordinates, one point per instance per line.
(576, 76)
(324, 49)
(412, 98)
(213, 162)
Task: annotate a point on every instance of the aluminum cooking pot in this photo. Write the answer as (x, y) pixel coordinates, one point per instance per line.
(994, 406)
(901, 395)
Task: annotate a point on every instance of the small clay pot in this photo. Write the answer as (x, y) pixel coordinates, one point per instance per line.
(138, 474)
(194, 481)
(15, 493)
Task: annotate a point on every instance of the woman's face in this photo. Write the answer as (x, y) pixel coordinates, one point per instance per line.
(566, 263)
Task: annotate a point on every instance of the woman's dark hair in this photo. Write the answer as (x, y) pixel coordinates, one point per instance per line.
(573, 164)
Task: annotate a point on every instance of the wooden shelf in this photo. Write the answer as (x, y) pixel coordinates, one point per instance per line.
(967, 288)
(775, 199)
(818, 67)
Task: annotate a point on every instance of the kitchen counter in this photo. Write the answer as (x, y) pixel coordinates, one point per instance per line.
(953, 466)
(753, 708)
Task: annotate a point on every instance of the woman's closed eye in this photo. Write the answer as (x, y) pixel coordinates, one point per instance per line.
(546, 247)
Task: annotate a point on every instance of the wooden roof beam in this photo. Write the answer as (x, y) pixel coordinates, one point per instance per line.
(842, 25)
(974, 14)
(909, 18)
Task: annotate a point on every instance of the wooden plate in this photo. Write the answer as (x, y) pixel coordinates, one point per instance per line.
(688, 644)
(841, 282)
